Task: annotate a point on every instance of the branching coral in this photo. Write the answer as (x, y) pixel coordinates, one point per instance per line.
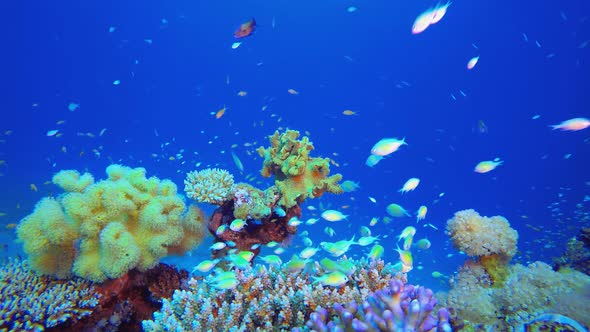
(397, 307)
(211, 185)
(265, 299)
(35, 303)
(102, 230)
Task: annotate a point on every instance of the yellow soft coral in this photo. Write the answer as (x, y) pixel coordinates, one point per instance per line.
(497, 268)
(71, 180)
(297, 175)
(102, 230)
(50, 235)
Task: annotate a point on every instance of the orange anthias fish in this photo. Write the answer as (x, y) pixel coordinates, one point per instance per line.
(245, 29)
(221, 112)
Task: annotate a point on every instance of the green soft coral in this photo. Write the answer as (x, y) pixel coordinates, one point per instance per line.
(256, 207)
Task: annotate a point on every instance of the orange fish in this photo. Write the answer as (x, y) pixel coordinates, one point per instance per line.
(11, 226)
(220, 113)
(245, 29)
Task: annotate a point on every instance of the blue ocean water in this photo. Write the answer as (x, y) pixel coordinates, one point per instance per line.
(150, 76)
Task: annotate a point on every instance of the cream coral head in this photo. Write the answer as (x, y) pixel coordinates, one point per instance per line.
(482, 236)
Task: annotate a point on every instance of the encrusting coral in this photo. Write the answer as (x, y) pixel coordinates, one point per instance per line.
(29, 302)
(264, 299)
(102, 230)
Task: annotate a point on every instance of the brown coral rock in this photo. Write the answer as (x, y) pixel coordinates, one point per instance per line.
(263, 231)
(127, 301)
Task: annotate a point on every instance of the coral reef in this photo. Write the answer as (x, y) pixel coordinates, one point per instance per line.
(397, 307)
(482, 236)
(527, 292)
(35, 303)
(266, 212)
(264, 299)
(102, 230)
(490, 294)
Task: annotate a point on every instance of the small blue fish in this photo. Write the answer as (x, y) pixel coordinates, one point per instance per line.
(280, 212)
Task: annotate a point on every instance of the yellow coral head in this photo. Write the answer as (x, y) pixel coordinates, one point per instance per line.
(102, 230)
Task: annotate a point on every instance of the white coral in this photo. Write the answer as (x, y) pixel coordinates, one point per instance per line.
(482, 236)
(211, 185)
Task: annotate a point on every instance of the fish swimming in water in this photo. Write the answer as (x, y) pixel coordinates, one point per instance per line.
(245, 29)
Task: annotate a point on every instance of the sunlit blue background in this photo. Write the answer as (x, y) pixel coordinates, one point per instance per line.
(174, 61)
